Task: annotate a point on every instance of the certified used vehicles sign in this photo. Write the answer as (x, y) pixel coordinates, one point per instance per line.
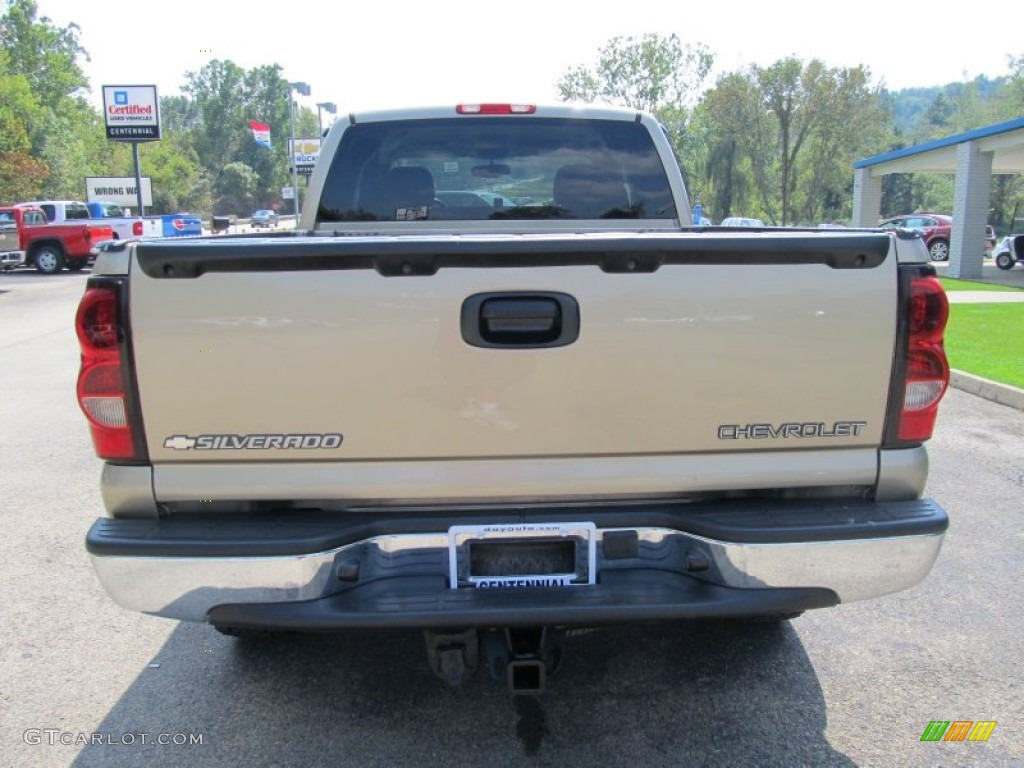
(131, 112)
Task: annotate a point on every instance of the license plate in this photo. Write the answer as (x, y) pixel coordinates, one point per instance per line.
(522, 555)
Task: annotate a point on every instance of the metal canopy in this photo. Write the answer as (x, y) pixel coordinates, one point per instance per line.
(1004, 140)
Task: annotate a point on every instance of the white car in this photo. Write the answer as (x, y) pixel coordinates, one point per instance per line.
(1009, 251)
(739, 221)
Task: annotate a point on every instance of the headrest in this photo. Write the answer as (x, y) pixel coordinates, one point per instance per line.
(409, 186)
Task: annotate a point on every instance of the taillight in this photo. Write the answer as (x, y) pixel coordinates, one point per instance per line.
(88, 235)
(102, 391)
(924, 367)
(496, 109)
(137, 228)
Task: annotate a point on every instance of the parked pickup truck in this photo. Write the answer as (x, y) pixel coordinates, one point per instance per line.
(123, 224)
(126, 226)
(49, 247)
(11, 253)
(497, 421)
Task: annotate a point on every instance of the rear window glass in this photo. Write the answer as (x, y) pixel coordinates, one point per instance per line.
(493, 169)
(110, 211)
(76, 211)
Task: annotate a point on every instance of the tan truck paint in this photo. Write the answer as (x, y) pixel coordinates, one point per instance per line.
(685, 360)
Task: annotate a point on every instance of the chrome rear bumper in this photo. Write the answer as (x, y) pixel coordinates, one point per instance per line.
(11, 259)
(185, 570)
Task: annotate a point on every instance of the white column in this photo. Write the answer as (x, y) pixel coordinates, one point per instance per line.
(867, 198)
(970, 210)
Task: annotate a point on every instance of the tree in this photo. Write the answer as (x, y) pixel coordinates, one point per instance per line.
(792, 94)
(897, 194)
(728, 111)
(19, 108)
(219, 101)
(73, 144)
(649, 74)
(64, 132)
(216, 91)
(174, 169)
(45, 54)
(178, 114)
(799, 127)
(1012, 94)
(850, 123)
(236, 186)
(21, 177)
(938, 114)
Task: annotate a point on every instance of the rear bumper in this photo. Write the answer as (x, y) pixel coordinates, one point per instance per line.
(11, 259)
(653, 561)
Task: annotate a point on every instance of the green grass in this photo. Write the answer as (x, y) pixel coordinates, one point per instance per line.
(987, 340)
(953, 284)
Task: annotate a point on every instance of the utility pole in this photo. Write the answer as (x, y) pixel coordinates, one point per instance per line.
(303, 88)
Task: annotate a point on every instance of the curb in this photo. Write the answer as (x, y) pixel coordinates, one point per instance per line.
(1004, 394)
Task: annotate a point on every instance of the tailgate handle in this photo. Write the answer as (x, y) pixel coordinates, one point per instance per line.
(520, 320)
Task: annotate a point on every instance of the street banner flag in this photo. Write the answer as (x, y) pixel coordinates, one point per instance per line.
(261, 133)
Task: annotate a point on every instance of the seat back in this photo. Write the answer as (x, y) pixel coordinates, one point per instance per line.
(409, 186)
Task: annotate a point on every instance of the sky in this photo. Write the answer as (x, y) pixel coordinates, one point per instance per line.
(362, 55)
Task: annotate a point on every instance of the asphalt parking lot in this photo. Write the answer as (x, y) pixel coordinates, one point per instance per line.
(85, 683)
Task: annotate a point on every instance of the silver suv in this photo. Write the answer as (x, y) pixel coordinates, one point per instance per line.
(263, 219)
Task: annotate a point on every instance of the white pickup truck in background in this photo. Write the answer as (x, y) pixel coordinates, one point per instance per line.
(496, 386)
(124, 225)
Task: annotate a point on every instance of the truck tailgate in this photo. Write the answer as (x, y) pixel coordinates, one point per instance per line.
(686, 344)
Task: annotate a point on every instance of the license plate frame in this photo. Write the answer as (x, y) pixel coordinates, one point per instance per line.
(461, 538)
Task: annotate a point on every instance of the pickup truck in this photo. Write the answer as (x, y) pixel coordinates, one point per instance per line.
(498, 421)
(166, 225)
(29, 238)
(123, 224)
(11, 253)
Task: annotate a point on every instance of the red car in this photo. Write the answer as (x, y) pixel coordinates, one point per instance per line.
(52, 247)
(938, 231)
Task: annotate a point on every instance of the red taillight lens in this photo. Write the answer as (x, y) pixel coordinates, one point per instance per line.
(927, 370)
(97, 321)
(101, 391)
(496, 109)
(137, 229)
(929, 310)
